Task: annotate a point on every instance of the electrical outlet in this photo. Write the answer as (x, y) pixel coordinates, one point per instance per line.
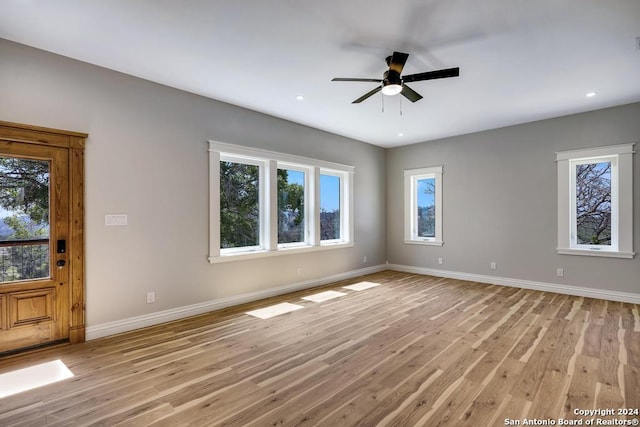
(494, 266)
(439, 260)
(298, 271)
(560, 272)
(364, 260)
(151, 297)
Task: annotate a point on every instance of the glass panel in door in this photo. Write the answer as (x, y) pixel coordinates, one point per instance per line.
(24, 219)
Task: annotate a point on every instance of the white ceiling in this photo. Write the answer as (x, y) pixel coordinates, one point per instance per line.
(520, 60)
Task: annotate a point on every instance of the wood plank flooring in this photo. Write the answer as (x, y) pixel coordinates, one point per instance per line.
(417, 350)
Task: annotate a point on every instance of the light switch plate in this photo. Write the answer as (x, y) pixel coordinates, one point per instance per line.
(115, 219)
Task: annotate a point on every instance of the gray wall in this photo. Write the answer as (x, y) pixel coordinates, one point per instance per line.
(147, 156)
(499, 201)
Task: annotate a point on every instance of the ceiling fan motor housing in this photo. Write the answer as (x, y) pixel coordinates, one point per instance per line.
(391, 77)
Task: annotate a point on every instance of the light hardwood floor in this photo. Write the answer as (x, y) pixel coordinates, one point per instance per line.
(417, 350)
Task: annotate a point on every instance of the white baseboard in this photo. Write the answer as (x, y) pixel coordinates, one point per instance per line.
(519, 283)
(151, 319)
(137, 322)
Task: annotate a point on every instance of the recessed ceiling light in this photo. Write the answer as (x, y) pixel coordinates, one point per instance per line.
(591, 94)
(400, 134)
(300, 98)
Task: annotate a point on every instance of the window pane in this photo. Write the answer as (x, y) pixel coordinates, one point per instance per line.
(24, 219)
(239, 205)
(329, 207)
(593, 203)
(290, 206)
(426, 197)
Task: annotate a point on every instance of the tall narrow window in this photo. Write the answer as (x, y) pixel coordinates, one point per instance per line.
(291, 206)
(239, 205)
(423, 206)
(595, 201)
(330, 219)
(426, 207)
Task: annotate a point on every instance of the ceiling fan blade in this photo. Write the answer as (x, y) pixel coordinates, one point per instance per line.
(398, 59)
(367, 95)
(341, 79)
(410, 94)
(430, 75)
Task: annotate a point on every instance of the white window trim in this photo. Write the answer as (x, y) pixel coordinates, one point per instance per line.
(309, 205)
(264, 216)
(269, 163)
(621, 157)
(345, 204)
(411, 176)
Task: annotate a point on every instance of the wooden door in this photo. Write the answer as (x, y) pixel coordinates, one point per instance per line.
(41, 250)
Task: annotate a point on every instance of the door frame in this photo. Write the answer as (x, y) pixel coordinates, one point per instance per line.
(74, 143)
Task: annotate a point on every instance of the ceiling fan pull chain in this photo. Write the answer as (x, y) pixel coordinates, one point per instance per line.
(401, 106)
(382, 98)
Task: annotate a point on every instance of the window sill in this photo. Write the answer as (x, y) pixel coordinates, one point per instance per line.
(425, 242)
(588, 252)
(241, 256)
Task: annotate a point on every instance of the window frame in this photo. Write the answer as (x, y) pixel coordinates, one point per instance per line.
(621, 160)
(341, 207)
(411, 178)
(261, 202)
(573, 163)
(307, 171)
(269, 162)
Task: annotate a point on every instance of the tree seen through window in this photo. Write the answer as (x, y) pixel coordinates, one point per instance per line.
(593, 203)
(291, 225)
(239, 205)
(24, 219)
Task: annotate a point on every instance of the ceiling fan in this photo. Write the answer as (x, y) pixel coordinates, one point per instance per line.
(393, 83)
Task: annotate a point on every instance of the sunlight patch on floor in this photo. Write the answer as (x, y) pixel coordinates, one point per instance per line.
(274, 310)
(361, 286)
(32, 377)
(323, 296)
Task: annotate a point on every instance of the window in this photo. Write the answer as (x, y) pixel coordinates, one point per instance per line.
(239, 205)
(423, 206)
(595, 201)
(592, 201)
(292, 224)
(330, 202)
(24, 219)
(264, 203)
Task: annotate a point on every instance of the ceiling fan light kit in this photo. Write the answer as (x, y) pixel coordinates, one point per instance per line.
(391, 89)
(393, 83)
